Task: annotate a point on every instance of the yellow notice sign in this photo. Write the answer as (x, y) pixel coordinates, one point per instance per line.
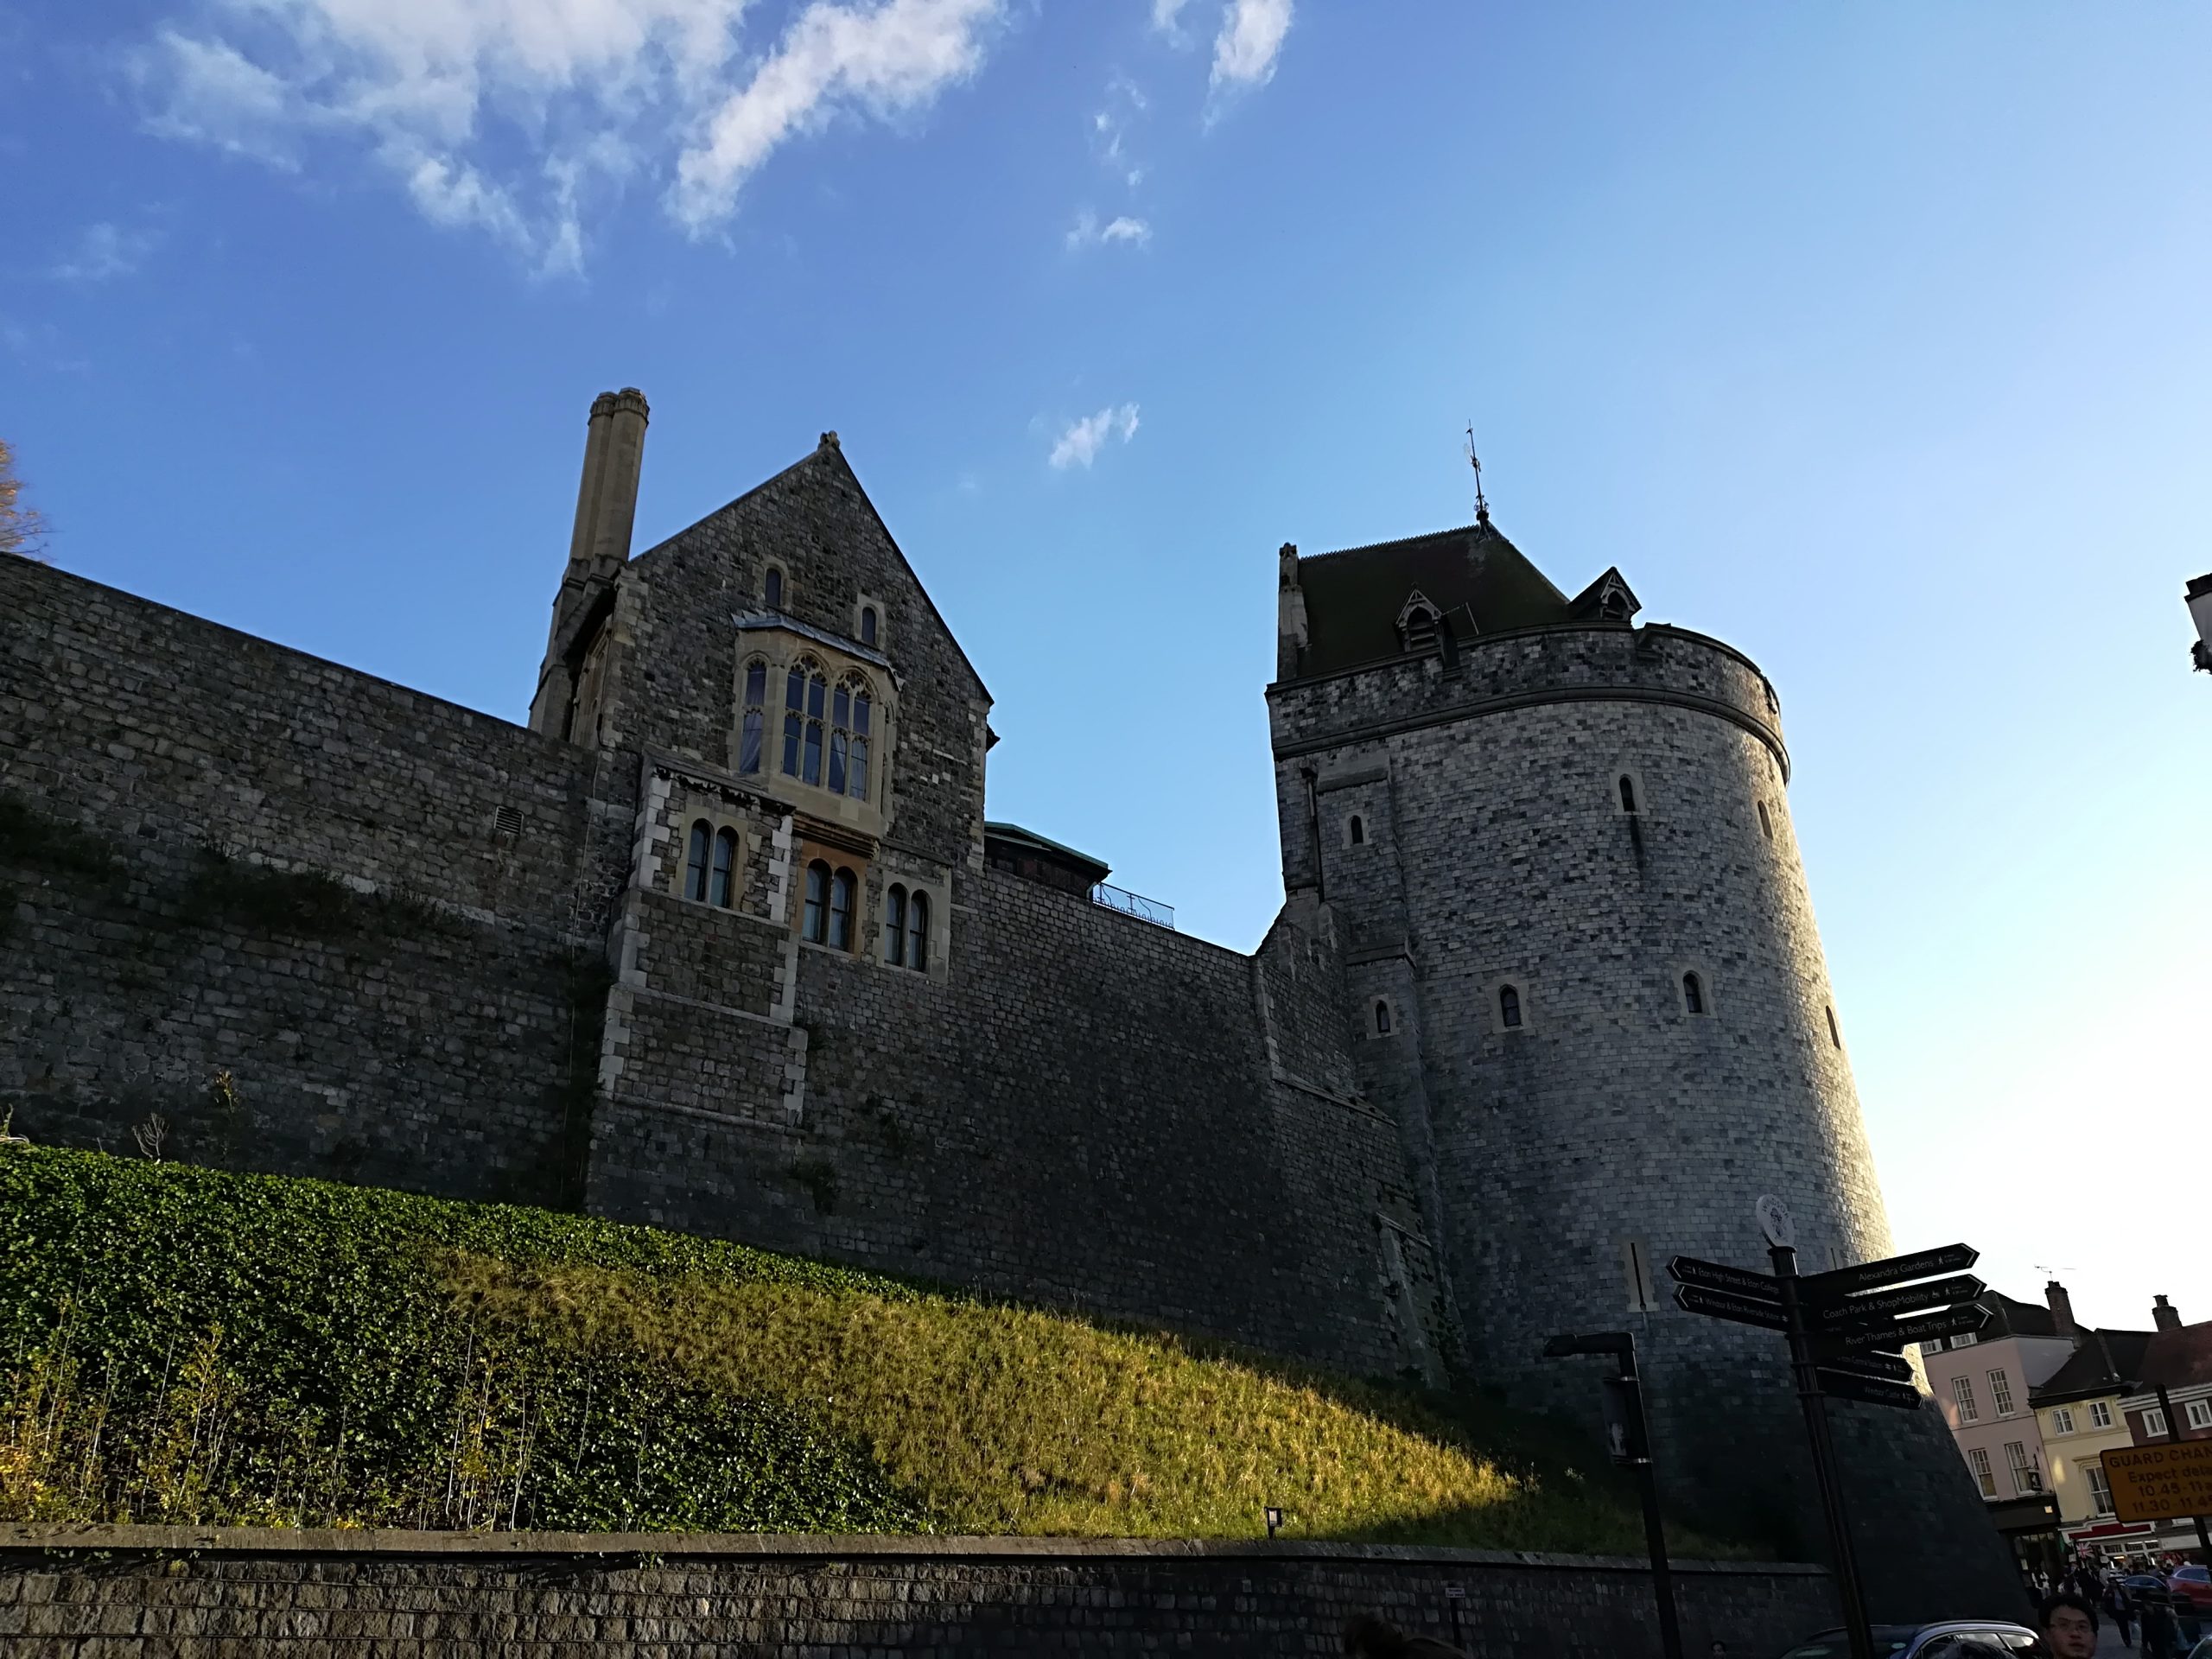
(2159, 1482)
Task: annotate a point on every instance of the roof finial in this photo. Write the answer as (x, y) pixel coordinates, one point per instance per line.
(1482, 508)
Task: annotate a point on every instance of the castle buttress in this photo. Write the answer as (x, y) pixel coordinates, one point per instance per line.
(722, 940)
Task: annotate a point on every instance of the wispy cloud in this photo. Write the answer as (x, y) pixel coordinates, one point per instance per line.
(1164, 13)
(1079, 445)
(1251, 39)
(1124, 101)
(881, 61)
(1087, 232)
(520, 118)
(105, 252)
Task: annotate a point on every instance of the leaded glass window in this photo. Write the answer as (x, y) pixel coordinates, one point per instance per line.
(815, 923)
(723, 879)
(894, 926)
(841, 909)
(753, 734)
(695, 866)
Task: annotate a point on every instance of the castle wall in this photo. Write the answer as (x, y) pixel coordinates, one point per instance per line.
(1614, 1119)
(1079, 1109)
(419, 1019)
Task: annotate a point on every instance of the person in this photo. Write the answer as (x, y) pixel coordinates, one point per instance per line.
(2121, 1609)
(1367, 1637)
(2069, 1628)
(2157, 1621)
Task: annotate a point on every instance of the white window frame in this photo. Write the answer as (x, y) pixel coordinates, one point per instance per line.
(2000, 1391)
(2093, 1476)
(2154, 1422)
(2099, 1414)
(1965, 1339)
(2062, 1419)
(2200, 1414)
(1962, 1398)
(2025, 1478)
(1984, 1476)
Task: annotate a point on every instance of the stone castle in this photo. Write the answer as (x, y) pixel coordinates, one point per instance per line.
(724, 941)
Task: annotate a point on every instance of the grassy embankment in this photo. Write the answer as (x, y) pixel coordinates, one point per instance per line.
(178, 1344)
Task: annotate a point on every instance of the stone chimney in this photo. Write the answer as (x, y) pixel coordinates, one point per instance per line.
(606, 500)
(2061, 1311)
(1291, 636)
(606, 503)
(2165, 1314)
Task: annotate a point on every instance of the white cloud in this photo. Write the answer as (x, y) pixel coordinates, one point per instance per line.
(1165, 12)
(104, 251)
(884, 60)
(519, 118)
(1087, 232)
(1079, 445)
(1251, 37)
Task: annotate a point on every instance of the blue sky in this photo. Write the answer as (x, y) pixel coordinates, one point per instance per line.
(1874, 340)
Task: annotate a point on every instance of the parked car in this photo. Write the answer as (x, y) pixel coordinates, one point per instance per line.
(2191, 1587)
(1949, 1638)
(2146, 1590)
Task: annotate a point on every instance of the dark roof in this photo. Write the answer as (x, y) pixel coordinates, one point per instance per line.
(1477, 580)
(2180, 1357)
(2015, 1319)
(2107, 1362)
(1014, 835)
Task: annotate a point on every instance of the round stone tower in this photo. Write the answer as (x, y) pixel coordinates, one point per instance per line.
(1583, 968)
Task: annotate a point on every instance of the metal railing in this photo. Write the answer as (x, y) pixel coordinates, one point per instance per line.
(1132, 904)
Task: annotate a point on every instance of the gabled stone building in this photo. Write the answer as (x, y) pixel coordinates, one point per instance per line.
(723, 941)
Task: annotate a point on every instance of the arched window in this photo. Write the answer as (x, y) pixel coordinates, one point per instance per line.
(1834, 1036)
(1628, 793)
(1766, 823)
(1509, 1007)
(1358, 829)
(894, 926)
(867, 625)
(1693, 994)
(814, 922)
(752, 734)
(841, 909)
(918, 931)
(722, 888)
(771, 590)
(806, 692)
(850, 711)
(1381, 1018)
(851, 715)
(695, 867)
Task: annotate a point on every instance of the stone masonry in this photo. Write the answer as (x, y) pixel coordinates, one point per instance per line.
(144, 1592)
(714, 944)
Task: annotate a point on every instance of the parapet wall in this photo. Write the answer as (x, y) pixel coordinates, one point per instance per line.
(154, 1593)
(294, 918)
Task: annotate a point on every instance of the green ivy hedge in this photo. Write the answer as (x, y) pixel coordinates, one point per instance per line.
(189, 1346)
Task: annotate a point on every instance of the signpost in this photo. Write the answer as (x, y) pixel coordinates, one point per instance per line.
(1627, 1438)
(1844, 1333)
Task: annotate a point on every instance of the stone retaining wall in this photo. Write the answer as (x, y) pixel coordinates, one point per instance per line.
(152, 1592)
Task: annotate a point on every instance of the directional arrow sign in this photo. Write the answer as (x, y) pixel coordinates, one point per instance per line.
(1721, 1304)
(1849, 1385)
(1908, 1298)
(1872, 1275)
(1710, 1275)
(1874, 1365)
(1893, 1333)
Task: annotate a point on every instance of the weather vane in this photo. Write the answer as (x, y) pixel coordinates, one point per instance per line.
(1482, 507)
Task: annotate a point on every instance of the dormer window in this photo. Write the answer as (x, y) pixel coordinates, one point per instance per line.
(1419, 622)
